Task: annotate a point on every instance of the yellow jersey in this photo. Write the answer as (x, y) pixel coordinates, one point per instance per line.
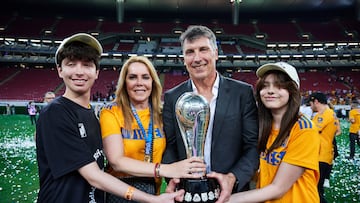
(327, 125)
(112, 122)
(301, 148)
(354, 114)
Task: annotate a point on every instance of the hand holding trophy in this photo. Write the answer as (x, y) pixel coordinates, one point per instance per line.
(193, 114)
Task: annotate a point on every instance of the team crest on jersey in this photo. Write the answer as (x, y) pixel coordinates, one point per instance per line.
(82, 130)
(320, 119)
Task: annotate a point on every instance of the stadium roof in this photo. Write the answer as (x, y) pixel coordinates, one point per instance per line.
(222, 10)
(186, 12)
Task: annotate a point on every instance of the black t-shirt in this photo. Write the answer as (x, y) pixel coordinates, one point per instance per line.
(68, 138)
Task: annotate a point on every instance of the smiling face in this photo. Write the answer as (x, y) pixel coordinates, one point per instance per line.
(273, 96)
(78, 76)
(200, 58)
(138, 84)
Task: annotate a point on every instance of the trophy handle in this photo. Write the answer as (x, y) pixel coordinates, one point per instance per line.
(188, 142)
(200, 130)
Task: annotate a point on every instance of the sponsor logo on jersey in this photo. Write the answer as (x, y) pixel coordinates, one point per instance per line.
(82, 130)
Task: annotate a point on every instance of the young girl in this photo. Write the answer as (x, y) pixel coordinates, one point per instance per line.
(288, 144)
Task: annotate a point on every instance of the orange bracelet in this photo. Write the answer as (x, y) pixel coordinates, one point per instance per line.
(129, 193)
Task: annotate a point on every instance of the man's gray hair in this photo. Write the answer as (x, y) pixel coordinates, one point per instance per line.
(194, 32)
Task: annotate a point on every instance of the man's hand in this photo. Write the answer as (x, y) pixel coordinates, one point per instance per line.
(226, 182)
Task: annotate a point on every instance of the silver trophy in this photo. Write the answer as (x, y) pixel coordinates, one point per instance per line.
(193, 114)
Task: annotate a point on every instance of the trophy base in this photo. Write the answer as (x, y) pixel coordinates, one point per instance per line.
(200, 190)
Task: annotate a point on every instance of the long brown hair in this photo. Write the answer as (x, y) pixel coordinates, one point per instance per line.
(265, 116)
(122, 97)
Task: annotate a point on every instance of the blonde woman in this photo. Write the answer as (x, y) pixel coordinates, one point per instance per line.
(132, 133)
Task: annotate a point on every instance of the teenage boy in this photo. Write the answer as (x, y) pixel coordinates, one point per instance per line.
(68, 143)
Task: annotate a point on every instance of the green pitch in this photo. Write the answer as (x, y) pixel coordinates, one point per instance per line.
(19, 178)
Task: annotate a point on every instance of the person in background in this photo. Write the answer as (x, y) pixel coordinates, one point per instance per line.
(48, 97)
(32, 111)
(132, 131)
(305, 109)
(289, 142)
(68, 143)
(12, 108)
(8, 109)
(343, 114)
(327, 125)
(354, 130)
(230, 148)
(335, 148)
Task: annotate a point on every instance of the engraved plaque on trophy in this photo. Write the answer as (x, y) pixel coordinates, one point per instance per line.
(193, 114)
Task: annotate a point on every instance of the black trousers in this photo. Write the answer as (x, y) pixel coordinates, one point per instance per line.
(33, 119)
(353, 138)
(325, 170)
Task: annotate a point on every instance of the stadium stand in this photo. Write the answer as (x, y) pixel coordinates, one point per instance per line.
(320, 81)
(6, 73)
(104, 86)
(23, 26)
(329, 43)
(174, 78)
(125, 46)
(317, 30)
(111, 27)
(280, 32)
(229, 48)
(65, 27)
(249, 77)
(29, 84)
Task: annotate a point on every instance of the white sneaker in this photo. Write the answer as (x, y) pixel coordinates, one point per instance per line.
(326, 183)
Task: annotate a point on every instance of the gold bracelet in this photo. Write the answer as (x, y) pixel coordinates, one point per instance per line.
(157, 170)
(129, 193)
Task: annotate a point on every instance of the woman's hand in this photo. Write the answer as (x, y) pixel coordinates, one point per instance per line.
(193, 167)
(169, 197)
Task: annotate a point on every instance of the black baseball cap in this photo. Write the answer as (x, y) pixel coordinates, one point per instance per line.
(321, 97)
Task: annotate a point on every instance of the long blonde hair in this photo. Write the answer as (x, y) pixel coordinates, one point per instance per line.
(122, 97)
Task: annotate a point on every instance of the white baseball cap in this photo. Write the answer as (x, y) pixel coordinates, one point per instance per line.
(281, 66)
(80, 37)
